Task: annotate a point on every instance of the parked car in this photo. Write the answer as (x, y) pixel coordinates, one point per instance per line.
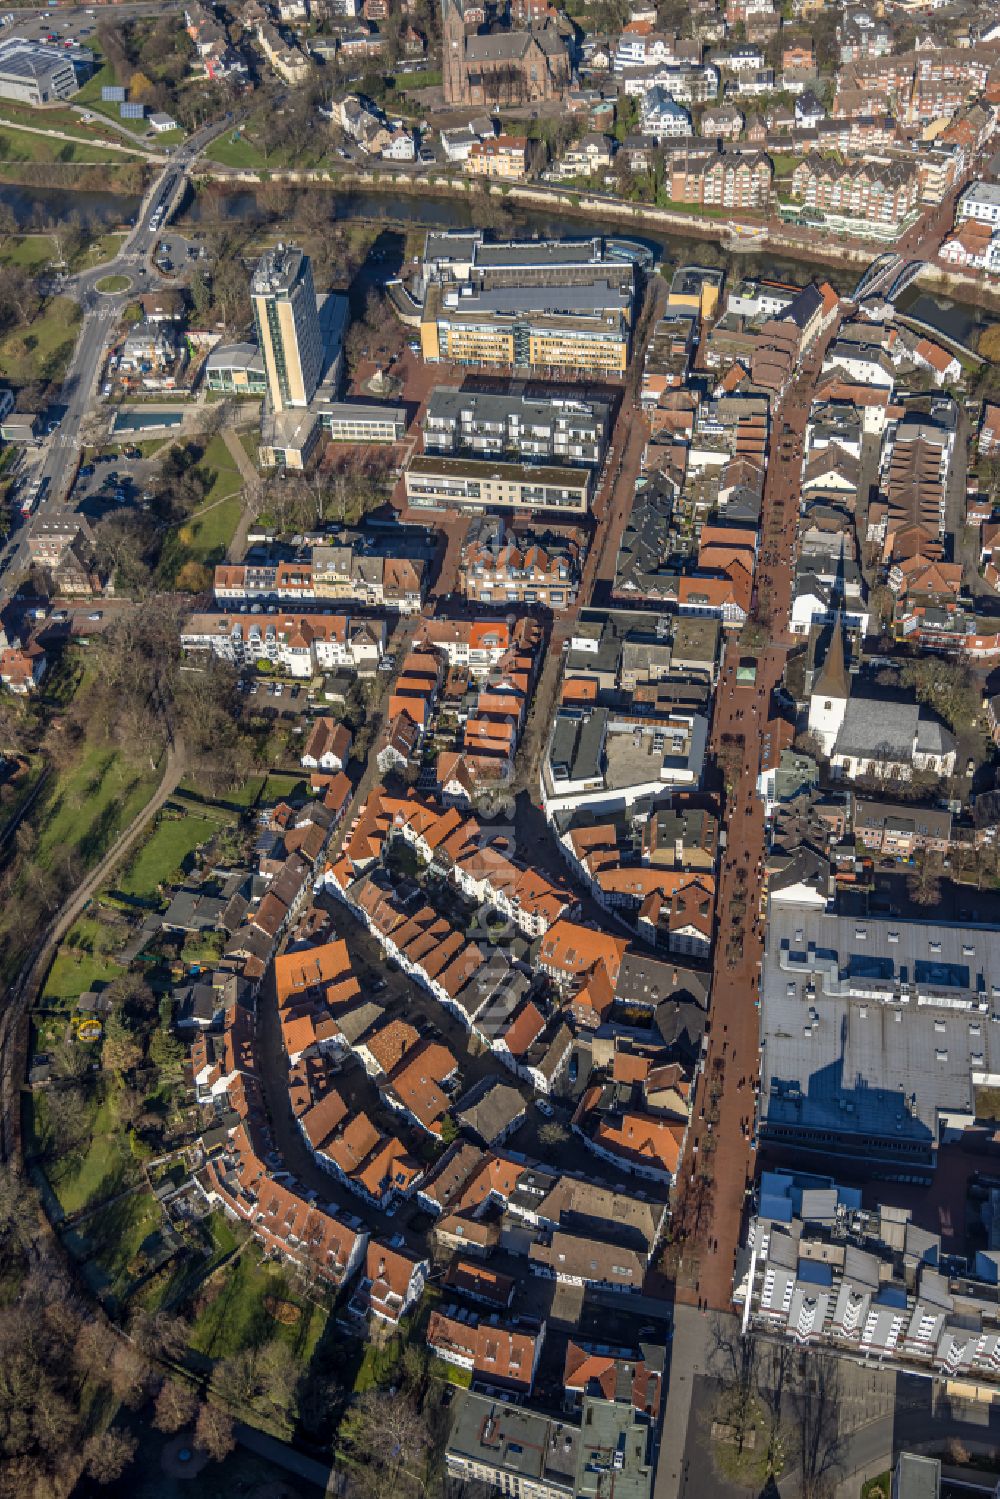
(545, 1108)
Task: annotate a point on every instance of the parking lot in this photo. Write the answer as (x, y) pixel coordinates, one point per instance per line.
(110, 478)
(265, 699)
(175, 255)
(65, 26)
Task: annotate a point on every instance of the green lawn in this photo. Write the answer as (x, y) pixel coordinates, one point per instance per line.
(237, 1318)
(113, 283)
(92, 802)
(90, 97)
(784, 165)
(406, 83)
(147, 447)
(103, 247)
(32, 251)
(22, 145)
(376, 1368)
(53, 119)
(43, 349)
(441, 1369)
(282, 785)
(220, 1233)
(241, 796)
(90, 93)
(228, 479)
(110, 1240)
(697, 210)
(179, 1282)
(208, 532)
(100, 1169)
(213, 530)
(162, 855)
(74, 971)
(236, 151)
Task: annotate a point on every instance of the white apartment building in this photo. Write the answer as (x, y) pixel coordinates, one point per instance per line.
(299, 645)
(980, 201)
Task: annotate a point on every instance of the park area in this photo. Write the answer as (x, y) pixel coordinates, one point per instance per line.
(202, 538)
(42, 349)
(25, 146)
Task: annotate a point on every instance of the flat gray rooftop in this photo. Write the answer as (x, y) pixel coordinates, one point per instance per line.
(540, 252)
(587, 298)
(874, 1024)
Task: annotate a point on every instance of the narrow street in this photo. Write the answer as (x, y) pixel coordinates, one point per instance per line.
(719, 1163)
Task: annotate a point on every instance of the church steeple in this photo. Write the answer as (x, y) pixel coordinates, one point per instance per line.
(830, 693)
(833, 680)
(453, 51)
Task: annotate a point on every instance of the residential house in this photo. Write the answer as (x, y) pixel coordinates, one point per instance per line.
(393, 1282)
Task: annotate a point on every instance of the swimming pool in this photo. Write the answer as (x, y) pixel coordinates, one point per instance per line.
(146, 421)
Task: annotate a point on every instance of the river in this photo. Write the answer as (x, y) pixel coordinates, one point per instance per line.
(439, 212)
(32, 206)
(962, 321)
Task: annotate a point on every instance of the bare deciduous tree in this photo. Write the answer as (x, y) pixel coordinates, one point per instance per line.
(108, 1454)
(815, 1404)
(176, 1406)
(213, 1432)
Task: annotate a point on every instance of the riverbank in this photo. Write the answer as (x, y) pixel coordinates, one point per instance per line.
(639, 218)
(127, 179)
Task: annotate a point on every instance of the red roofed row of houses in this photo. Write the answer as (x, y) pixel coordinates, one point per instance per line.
(316, 992)
(318, 1242)
(314, 986)
(455, 845)
(503, 1357)
(723, 583)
